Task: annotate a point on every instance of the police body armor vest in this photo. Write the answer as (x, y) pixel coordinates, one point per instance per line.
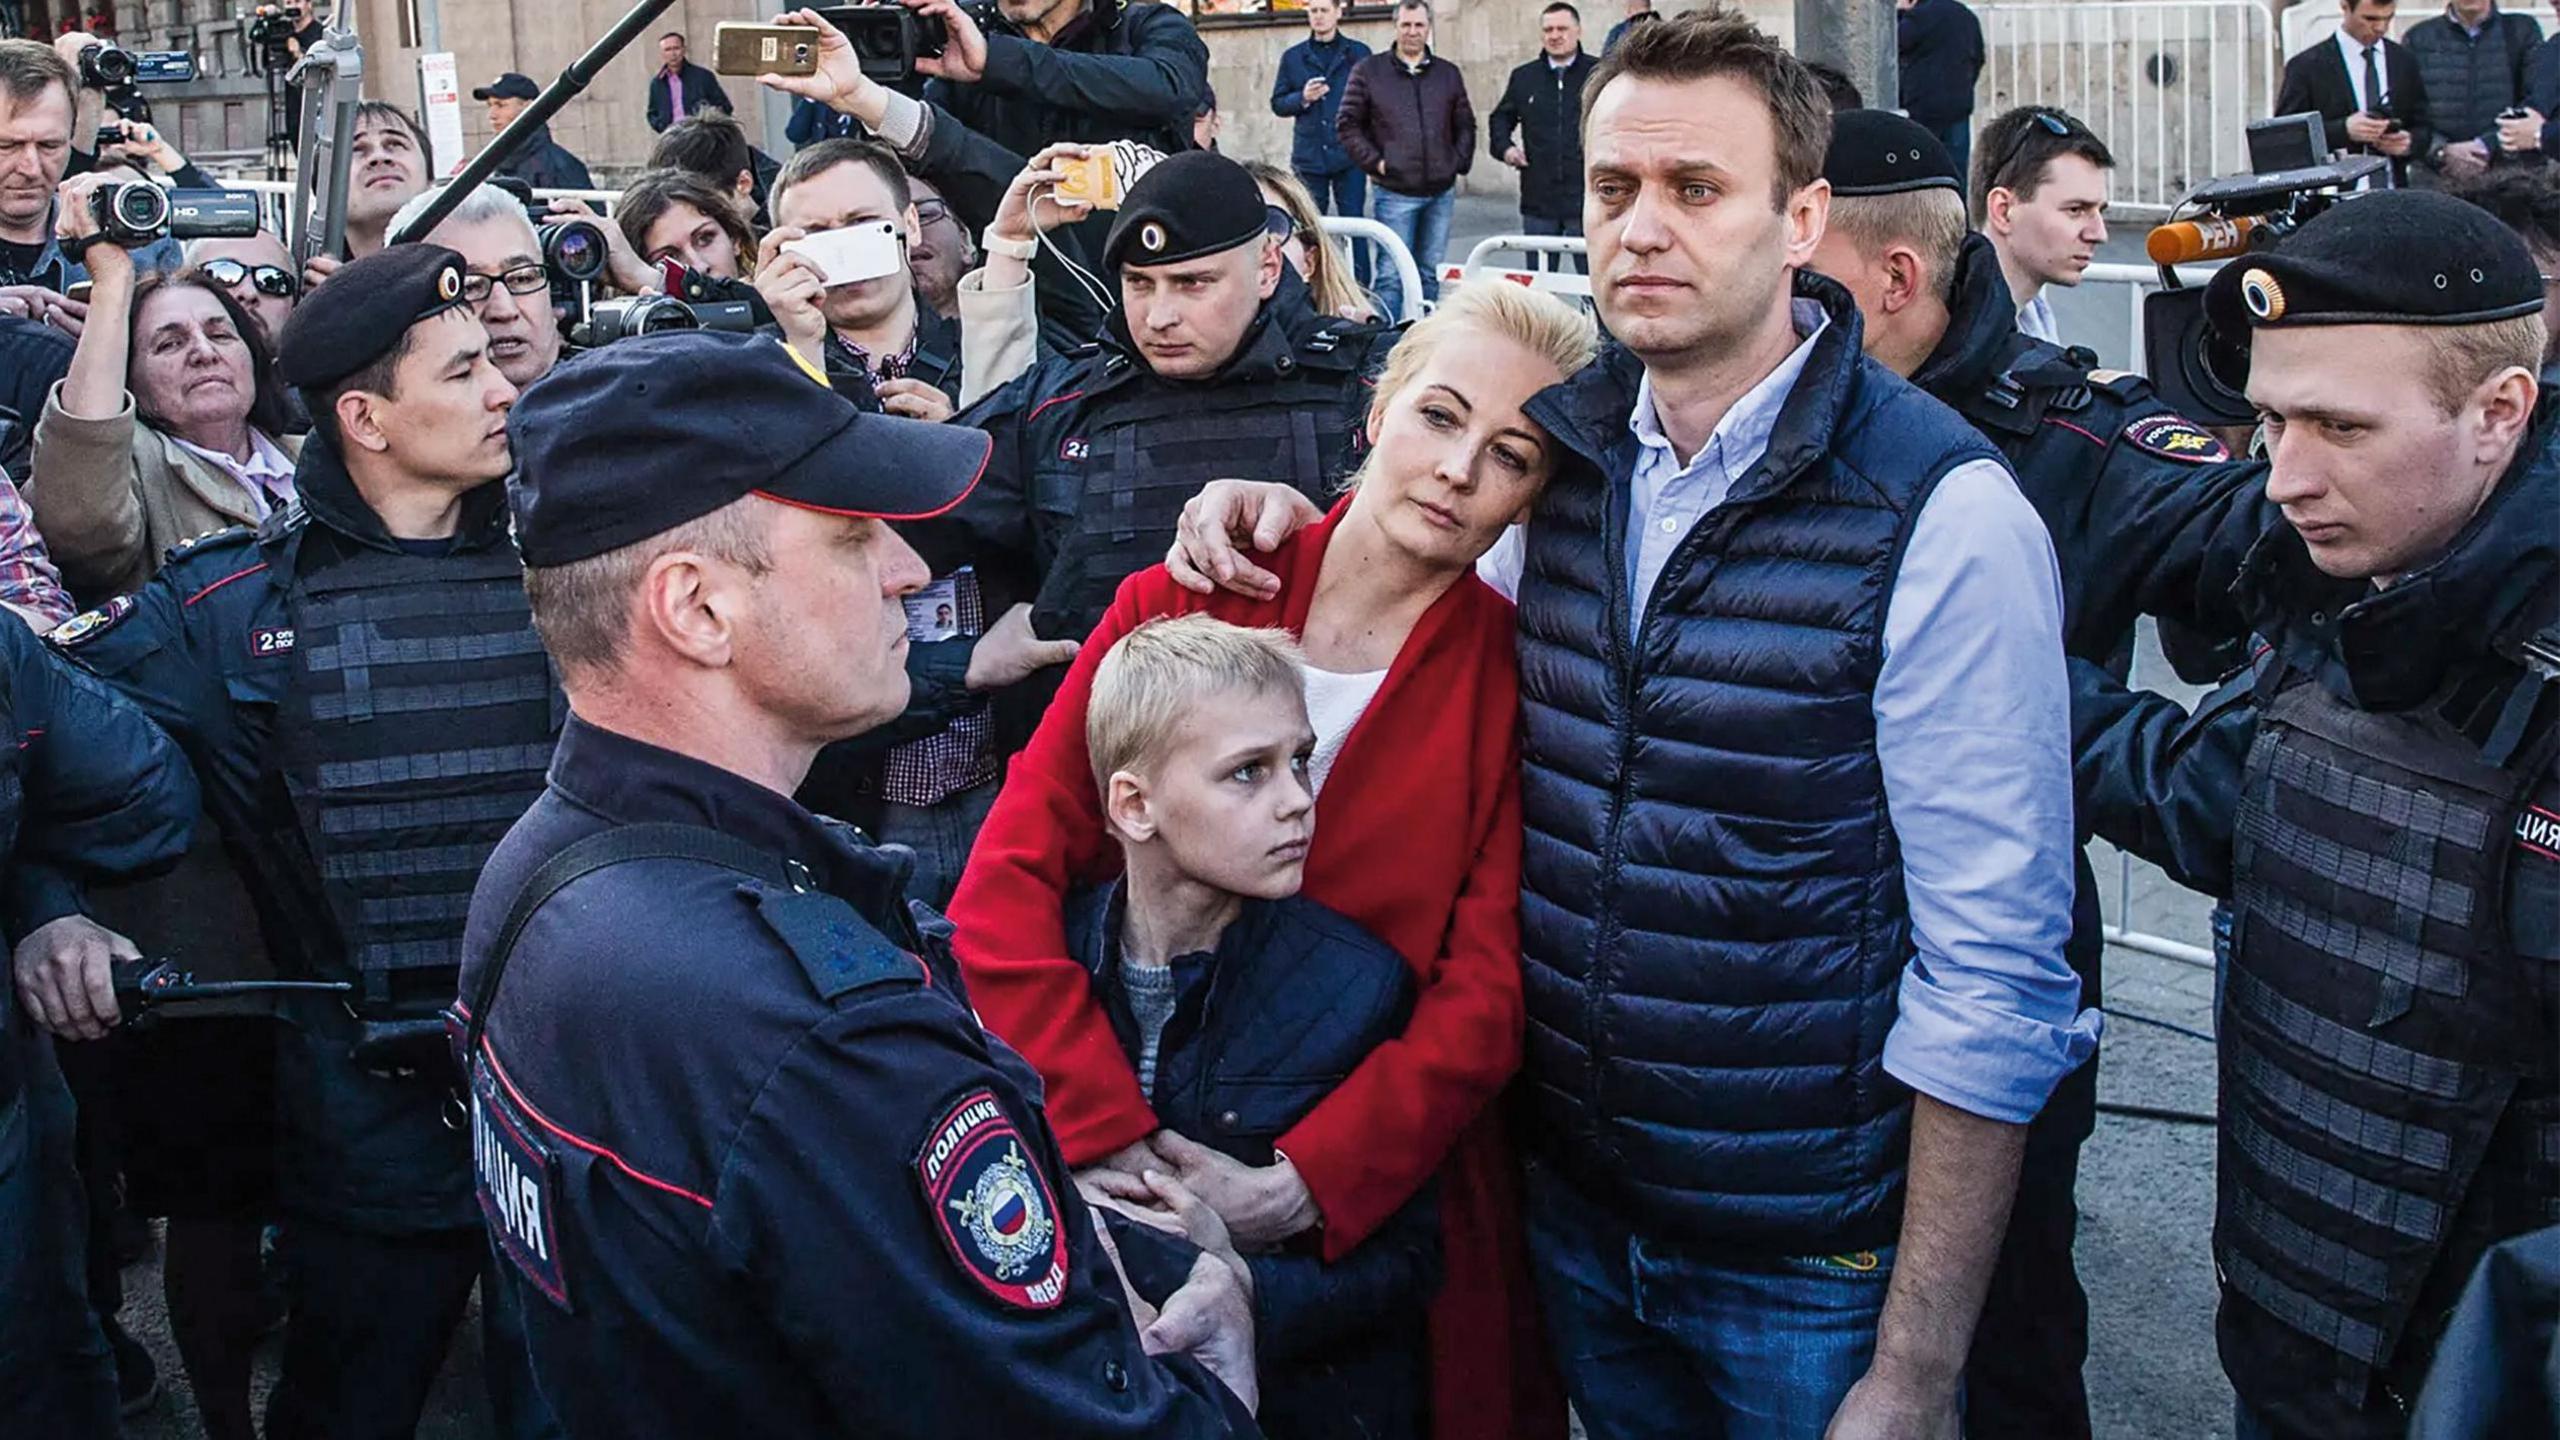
(2389, 1100)
(1152, 446)
(417, 728)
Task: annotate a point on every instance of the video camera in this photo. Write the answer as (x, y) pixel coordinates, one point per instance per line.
(269, 34)
(574, 251)
(639, 315)
(118, 74)
(136, 212)
(2201, 374)
(888, 39)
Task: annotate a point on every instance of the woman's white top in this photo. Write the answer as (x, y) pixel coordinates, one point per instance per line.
(1335, 703)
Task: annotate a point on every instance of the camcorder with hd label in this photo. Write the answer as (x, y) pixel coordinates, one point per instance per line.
(2201, 374)
(118, 74)
(136, 212)
(888, 39)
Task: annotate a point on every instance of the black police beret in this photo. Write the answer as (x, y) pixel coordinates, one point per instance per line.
(643, 435)
(1876, 152)
(1186, 206)
(2392, 257)
(363, 310)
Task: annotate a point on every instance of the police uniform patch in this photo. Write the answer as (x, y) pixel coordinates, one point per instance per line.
(2173, 438)
(518, 1179)
(271, 640)
(994, 1208)
(2538, 832)
(89, 624)
(1074, 449)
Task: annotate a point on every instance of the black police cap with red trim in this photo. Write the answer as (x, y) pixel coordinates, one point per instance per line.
(643, 435)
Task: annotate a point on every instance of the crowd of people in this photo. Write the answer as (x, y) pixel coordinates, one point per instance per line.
(1047, 820)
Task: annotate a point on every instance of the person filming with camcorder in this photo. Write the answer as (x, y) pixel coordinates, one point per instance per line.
(169, 423)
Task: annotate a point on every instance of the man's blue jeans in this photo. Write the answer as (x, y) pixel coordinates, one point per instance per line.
(1541, 225)
(1345, 192)
(1422, 223)
(1657, 1342)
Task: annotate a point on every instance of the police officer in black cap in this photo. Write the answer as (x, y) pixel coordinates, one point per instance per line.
(1215, 364)
(2378, 799)
(2149, 515)
(358, 684)
(752, 1164)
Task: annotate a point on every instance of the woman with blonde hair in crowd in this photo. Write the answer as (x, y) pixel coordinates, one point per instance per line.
(1319, 259)
(1413, 688)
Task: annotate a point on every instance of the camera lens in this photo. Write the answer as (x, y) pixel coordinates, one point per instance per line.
(109, 65)
(141, 209)
(575, 250)
(668, 314)
(799, 54)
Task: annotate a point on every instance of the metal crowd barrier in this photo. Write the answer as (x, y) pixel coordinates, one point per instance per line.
(1357, 228)
(275, 198)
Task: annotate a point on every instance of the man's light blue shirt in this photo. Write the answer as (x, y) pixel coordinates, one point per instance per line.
(1973, 732)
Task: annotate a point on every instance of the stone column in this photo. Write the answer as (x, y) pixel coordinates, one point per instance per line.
(1857, 36)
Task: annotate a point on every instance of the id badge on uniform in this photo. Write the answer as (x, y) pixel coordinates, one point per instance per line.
(519, 1183)
(934, 613)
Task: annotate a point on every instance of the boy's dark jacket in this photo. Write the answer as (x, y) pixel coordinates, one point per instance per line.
(1294, 999)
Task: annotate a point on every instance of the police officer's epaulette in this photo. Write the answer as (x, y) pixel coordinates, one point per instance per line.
(212, 542)
(840, 951)
(2122, 386)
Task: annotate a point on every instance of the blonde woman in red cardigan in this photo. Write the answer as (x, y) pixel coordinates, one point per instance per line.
(1414, 689)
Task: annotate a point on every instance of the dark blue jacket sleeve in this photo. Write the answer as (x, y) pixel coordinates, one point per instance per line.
(107, 794)
(2177, 534)
(1289, 86)
(2156, 781)
(820, 1211)
(1304, 1307)
(711, 93)
(1158, 83)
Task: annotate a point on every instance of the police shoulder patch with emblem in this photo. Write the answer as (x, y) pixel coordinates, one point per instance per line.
(997, 1213)
(90, 624)
(2173, 437)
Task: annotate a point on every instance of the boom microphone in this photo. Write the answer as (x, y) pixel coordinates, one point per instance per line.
(2185, 242)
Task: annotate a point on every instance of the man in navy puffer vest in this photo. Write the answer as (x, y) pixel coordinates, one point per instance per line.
(1798, 795)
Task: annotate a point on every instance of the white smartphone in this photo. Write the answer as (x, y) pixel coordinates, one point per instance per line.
(854, 252)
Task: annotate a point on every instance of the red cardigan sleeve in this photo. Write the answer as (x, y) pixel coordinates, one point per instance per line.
(1370, 1145)
(1044, 837)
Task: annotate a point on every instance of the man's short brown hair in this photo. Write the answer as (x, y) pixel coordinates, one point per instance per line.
(1929, 221)
(818, 159)
(28, 67)
(2464, 356)
(1704, 44)
(583, 609)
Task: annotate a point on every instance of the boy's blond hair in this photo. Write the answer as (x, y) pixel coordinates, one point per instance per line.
(1142, 687)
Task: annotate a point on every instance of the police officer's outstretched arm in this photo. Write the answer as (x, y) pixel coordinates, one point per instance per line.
(106, 795)
(2157, 781)
(902, 1210)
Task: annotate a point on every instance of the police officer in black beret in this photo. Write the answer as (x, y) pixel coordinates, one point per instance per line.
(358, 684)
(2149, 515)
(2379, 800)
(1216, 364)
(752, 1164)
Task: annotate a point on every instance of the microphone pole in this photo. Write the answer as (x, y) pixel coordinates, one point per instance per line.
(572, 81)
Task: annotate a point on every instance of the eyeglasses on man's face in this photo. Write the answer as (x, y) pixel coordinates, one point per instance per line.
(522, 280)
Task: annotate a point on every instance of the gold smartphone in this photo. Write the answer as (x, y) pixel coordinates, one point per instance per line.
(744, 48)
(1094, 178)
